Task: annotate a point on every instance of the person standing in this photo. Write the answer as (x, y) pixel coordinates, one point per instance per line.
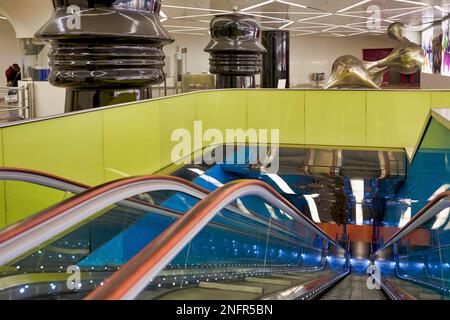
(13, 75)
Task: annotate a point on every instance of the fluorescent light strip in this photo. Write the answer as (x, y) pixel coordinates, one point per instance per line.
(439, 8)
(193, 8)
(292, 4)
(386, 10)
(286, 25)
(413, 2)
(313, 208)
(188, 30)
(197, 16)
(281, 183)
(257, 5)
(318, 17)
(184, 27)
(3, 18)
(261, 16)
(354, 5)
(407, 13)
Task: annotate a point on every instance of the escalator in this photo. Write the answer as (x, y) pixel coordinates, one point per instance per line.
(92, 231)
(107, 243)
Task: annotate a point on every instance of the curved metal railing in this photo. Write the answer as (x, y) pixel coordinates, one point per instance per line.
(133, 277)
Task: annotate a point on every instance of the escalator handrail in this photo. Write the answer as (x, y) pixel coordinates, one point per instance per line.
(67, 185)
(41, 178)
(414, 223)
(48, 180)
(20, 238)
(134, 276)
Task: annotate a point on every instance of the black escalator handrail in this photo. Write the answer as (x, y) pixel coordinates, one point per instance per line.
(22, 237)
(134, 276)
(422, 216)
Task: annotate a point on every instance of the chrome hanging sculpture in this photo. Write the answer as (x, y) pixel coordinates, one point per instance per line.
(105, 52)
(352, 72)
(235, 50)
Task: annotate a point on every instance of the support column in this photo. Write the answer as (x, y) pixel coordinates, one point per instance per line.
(276, 59)
(105, 52)
(235, 51)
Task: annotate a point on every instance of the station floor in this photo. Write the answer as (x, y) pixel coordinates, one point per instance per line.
(353, 287)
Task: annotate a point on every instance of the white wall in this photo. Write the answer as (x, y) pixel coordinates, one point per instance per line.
(197, 59)
(312, 54)
(434, 81)
(10, 51)
(308, 54)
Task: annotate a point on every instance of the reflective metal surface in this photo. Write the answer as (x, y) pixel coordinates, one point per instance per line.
(276, 60)
(235, 50)
(352, 72)
(107, 52)
(322, 183)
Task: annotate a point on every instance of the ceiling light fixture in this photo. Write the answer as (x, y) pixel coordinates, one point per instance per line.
(257, 5)
(354, 5)
(439, 8)
(414, 2)
(286, 25)
(318, 17)
(292, 4)
(407, 13)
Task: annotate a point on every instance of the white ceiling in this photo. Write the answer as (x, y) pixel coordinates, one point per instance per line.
(334, 18)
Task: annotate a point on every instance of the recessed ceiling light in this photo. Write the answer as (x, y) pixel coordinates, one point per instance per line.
(354, 5)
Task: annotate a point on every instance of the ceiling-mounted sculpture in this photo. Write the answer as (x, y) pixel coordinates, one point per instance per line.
(351, 72)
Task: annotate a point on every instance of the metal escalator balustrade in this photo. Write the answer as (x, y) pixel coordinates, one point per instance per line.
(22, 237)
(38, 269)
(415, 261)
(135, 276)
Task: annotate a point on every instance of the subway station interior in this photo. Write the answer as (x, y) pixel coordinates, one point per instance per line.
(225, 150)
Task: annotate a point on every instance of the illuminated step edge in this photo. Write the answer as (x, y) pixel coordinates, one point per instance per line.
(231, 287)
(282, 282)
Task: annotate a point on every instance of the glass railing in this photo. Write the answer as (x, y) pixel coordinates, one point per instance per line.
(417, 258)
(40, 254)
(213, 253)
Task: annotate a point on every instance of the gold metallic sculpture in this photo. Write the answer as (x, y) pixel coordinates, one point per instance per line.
(352, 72)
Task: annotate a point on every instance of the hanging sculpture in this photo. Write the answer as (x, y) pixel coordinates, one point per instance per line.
(352, 72)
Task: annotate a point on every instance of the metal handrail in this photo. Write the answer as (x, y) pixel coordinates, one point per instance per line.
(134, 276)
(66, 185)
(426, 213)
(22, 237)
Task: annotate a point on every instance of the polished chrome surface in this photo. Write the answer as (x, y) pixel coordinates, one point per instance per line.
(116, 46)
(276, 59)
(128, 282)
(352, 72)
(235, 50)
